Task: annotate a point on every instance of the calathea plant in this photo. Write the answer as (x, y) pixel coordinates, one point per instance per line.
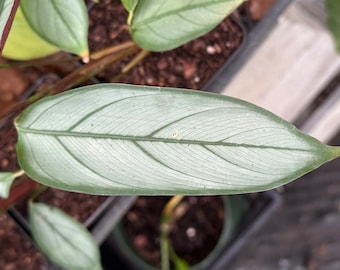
(116, 139)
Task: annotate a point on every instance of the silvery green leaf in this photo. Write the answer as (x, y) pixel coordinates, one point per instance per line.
(62, 239)
(126, 139)
(6, 180)
(63, 24)
(166, 24)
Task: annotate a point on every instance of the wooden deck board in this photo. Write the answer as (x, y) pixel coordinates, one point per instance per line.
(292, 66)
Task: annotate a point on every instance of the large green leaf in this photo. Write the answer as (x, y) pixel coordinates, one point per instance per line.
(125, 139)
(166, 24)
(333, 19)
(6, 180)
(62, 23)
(64, 241)
(7, 11)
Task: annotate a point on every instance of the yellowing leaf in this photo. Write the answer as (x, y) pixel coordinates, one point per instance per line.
(23, 43)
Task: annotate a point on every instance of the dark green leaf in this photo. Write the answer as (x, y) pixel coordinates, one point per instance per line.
(126, 139)
(63, 24)
(64, 241)
(166, 24)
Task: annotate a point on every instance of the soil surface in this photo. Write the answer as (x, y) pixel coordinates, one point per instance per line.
(179, 68)
(17, 251)
(189, 66)
(193, 235)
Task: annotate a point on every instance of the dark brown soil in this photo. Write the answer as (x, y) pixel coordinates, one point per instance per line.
(17, 251)
(193, 235)
(189, 66)
(18, 84)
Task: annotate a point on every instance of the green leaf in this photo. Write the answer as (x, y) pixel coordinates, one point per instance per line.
(7, 11)
(63, 24)
(129, 5)
(333, 20)
(126, 139)
(23, 43)
(6, 180)
(166, 24)
(63, 240)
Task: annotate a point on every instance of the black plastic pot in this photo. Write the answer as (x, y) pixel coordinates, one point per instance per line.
(254, 36)
(250, 212)
(121, 243)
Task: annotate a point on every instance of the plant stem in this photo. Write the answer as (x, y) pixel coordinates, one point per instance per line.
(164, 245)
(37, 192)
(95, 55)
(129, 20)
(87, 71)
(171, 205)
(19, 173)
(112, 49)
(138, 58)
(7, 26)
(39, 62)
(79, 75)
(166, 220)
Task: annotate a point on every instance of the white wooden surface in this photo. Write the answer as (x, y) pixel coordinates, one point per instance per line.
(291, 67)
(324, 123)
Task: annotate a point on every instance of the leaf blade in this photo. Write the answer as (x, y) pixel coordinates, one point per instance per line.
(65, 241)
(165, 25)
(6, 180)
(63, 24)
(121, 139)
(130, 5)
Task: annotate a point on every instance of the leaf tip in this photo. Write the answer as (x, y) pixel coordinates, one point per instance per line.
(85, 57)
(336, 151)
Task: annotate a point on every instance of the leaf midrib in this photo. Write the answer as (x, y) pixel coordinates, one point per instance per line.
(148, 138)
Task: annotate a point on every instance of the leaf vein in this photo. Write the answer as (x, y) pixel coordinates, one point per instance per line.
(132, 138)
(110, 181)
(163, 164)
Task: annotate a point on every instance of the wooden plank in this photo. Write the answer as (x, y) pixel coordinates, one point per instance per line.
(324, 123)
(292, 66)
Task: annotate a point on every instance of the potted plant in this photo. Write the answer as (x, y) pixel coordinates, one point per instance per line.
(186, 224)
(93, 153)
